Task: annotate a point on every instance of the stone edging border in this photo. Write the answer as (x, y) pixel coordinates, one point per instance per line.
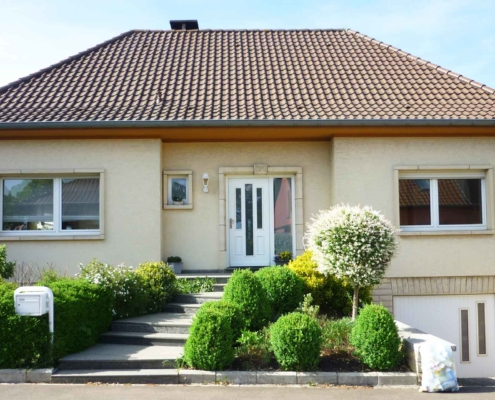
(299, 378)
(26, 375)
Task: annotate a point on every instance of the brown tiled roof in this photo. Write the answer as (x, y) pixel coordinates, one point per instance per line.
(411, 194)
(244, 75)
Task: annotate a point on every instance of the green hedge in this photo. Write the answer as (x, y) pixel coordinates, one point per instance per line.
(283, 287)
(24, 341)
(158, 281)
(232, 312)
(82, 313)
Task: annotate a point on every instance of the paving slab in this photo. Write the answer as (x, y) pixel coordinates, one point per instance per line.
(320, 378)
(12, 375)
(397, 378)
(276, 378)
(39, 375)
(237, 377)
(188, 376)
(357, 378)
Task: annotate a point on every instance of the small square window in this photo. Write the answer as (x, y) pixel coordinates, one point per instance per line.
(177, 189)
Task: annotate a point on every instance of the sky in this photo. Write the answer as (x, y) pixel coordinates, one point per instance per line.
(456, 34)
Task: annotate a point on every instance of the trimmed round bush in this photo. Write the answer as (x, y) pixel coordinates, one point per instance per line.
(159, 281)
(210, 343)
(232, 312)
(296, 340)
(245, 290)
(283, 287)
(333, 295)
(376, 339)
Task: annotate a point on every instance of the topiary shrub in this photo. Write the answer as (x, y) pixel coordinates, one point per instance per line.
(296, 341)
(210, 342)
(130, 298)
(159, 282)
(83, 312)
(24, 341)
(333, 295)
(232, 312)
(245, 290)
(376, 339)
(284, 289)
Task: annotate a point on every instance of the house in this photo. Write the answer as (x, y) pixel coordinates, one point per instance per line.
(219, 146)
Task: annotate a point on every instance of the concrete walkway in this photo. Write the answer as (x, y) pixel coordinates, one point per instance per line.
(211, 392)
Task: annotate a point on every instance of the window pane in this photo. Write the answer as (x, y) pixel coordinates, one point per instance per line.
(259, 207)
(282, 194)
(414, 199)
(179, 189)
(459, 201)
(249, 220)
(238, 209)
(81, 203)
(27, 204)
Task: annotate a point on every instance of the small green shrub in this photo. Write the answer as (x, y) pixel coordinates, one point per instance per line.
(245, 290)
(83, 312)
(336, 333)
(174, 259)
(283, 287)
(24, 341)
(307, 307)
(6, 268)
(376, 339)
(296, 341)
(210, 343)
(197, 285)
(159, 282)
(254, 350)
(130, 297)
(232, 312)
(333, 295)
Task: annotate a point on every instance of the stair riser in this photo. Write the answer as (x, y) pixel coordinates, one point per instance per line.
(134, 364)
(141, 341)
(180, 309)
(157, 380)
(188, 299)
(150, 328)
(218, 288)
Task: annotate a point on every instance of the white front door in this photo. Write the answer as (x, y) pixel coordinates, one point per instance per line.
(248, 222)
(468, 321)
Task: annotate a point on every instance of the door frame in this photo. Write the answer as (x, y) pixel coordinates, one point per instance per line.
(271, 219)
(263, 171)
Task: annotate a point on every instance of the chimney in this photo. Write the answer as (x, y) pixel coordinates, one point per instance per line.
(184, 24)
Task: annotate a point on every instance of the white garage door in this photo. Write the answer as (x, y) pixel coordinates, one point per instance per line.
(465, 320)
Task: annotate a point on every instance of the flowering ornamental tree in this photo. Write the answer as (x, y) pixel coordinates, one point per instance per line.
(353, 243)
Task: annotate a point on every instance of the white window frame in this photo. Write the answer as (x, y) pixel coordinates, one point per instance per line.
(434, 207)
(167, 190)
(57, 208)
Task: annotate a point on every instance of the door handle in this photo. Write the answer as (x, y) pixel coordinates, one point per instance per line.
(231, 222)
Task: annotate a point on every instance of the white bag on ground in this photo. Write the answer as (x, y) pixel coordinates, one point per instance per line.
(438, 368)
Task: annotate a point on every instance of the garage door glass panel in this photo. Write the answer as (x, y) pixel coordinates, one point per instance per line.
(414, 197)
(460, 201)
(464, 335)
(27, 205)
(481, 329)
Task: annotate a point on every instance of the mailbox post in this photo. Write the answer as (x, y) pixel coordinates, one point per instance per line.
(35, 301)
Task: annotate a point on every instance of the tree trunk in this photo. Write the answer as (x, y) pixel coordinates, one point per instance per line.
(355, 302)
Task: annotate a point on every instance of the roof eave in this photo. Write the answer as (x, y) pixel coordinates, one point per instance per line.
(242, 123)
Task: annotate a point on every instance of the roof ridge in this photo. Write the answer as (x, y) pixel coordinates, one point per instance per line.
(27, 78)
(241, 30)
(429, 64)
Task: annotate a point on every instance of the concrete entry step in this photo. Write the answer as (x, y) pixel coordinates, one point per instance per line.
(219, 278)
(219, 287)
(185, 308)
(119, 356)
(136, 376)
(198, 298)
(145, 338)
(155, 323)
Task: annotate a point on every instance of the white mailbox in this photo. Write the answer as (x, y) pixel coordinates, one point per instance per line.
(35, 301)
(33, 304)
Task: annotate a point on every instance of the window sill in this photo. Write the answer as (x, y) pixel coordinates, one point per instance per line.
(446, 233)
(181, 207)
(33, 238)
